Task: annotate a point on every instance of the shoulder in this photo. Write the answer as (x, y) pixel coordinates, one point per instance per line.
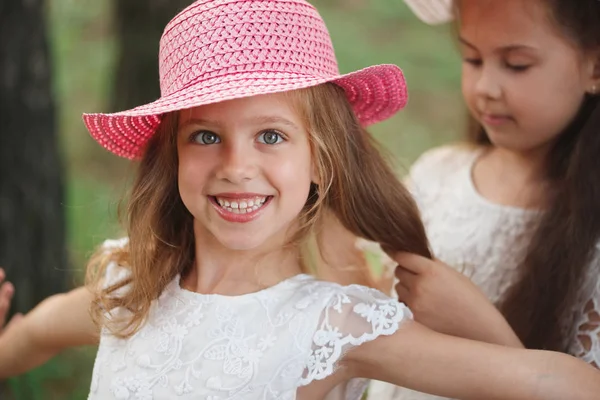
(349, 317)
(365, 302)
(438, 169)
(440, 160)
(350, 300)
(115, 271)
(110, 245)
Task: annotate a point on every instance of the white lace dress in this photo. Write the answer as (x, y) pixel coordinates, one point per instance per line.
(486, 242)
(263, 345)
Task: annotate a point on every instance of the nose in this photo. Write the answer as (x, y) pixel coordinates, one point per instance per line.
(487, 84)
(238, 164)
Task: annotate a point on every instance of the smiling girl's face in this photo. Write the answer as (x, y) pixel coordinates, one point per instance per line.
(245, 170)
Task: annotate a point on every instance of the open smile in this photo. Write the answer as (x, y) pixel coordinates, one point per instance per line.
(240, 207)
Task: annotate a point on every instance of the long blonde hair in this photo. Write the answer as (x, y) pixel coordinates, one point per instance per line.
(356, 185)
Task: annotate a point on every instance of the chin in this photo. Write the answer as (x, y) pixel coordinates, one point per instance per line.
(515, 146)
(243, 241)
(242, 245)
(512, 142)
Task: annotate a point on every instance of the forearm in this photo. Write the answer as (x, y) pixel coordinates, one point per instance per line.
(19, 349)
(566, 374)
(496, 330)
(58, 322)
(423, 360)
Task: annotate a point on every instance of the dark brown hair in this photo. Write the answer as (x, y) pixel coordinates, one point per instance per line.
(541, 303)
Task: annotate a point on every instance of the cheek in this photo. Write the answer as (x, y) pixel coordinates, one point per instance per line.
(293, 175)
(545, 106)
(192, 175)
(468, 85)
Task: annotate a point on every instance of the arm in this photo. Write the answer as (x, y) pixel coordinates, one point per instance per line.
(58, 322)
(418, 358)
(428, 286)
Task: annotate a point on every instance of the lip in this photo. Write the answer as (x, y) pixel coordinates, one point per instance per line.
(239, 218)
(236, 195)
(495, 119)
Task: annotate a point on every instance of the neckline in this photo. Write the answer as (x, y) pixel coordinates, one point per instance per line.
(473, 192)
(176, 287)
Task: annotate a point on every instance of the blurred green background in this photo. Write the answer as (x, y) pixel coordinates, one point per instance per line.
(84, 45)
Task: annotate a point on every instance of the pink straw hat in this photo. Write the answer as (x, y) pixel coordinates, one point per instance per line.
(218, 50)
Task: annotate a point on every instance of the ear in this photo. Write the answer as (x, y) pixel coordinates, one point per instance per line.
(593, 84)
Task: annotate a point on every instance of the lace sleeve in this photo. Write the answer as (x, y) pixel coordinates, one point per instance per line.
(354, 315)
(586, 344)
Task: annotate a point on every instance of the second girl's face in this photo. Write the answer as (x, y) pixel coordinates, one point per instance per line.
(245, 170)
(522, 79)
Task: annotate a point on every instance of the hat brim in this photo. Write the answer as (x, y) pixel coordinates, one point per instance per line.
(375, 93)
(432, 12)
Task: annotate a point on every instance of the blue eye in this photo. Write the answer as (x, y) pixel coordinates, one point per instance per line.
(270, 137)
(205, 137)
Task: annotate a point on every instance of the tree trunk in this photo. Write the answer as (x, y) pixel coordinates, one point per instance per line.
(139, 25)
(32, 226)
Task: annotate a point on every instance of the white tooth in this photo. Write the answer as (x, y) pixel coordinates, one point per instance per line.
(236, 211)
(243, 204)
(251, 203)
(220, 202)
(226, 203)
(255, 208)
(234, 204)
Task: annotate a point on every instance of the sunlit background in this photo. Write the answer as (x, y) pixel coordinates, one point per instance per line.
(84, 49)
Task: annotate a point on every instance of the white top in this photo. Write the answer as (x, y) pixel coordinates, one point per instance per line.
(262, 345)
(485, 241)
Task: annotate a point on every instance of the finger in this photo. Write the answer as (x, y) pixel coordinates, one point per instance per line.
(2, 274)
(3, 311)
(406, 277)
(412, 262)
(6, 293)
(7, 289)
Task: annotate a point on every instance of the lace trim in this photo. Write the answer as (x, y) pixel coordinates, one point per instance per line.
(383, 316)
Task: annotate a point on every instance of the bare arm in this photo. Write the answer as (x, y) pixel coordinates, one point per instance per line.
(428, 286)
(420, 359)
(58, 322)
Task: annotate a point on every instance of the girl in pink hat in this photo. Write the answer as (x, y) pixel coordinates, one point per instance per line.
(517, 208)
(213, 295)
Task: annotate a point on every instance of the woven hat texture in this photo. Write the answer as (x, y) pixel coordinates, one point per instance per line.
(217, 50)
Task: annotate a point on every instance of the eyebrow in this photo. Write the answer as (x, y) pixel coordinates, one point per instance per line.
(511, 47)
(260, 120)
(263, 120)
